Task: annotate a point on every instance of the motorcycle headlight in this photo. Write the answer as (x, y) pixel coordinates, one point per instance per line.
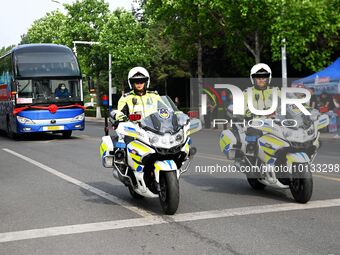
(154, 139)
(167, 140)
(287, 133)
(79, 117)
(24, 120)
(179, 137)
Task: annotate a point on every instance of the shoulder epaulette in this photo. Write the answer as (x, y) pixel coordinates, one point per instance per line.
(127, 94)
(153, 92)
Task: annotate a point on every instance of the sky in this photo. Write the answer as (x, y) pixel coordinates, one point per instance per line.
(18, 15)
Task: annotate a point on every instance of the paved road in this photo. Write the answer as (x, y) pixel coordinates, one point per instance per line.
(56, 198)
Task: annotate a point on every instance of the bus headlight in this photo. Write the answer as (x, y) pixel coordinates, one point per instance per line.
(80, 117)
(24, 120)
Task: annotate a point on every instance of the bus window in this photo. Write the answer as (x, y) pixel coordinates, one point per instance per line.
(48, 91)
(46, 64)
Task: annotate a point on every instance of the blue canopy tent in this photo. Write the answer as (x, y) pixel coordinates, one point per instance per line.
(326, 80)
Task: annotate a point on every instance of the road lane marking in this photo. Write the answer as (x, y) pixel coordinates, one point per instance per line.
(327, 177)
(327, 157)
(83, 185)
(157, 220)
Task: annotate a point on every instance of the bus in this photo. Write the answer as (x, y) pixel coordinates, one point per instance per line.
(41, 90)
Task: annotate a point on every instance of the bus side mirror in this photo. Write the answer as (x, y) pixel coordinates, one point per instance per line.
(91, 85)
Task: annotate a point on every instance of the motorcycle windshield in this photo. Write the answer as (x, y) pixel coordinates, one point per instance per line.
(294, 115)
(165, 118)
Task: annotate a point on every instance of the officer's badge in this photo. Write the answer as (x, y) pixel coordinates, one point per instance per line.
(163, 113)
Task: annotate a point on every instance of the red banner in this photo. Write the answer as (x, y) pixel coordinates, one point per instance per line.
(52, 108)
(3, 92)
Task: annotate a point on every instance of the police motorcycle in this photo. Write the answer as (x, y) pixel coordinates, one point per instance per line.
(149, 155)
(278, 151)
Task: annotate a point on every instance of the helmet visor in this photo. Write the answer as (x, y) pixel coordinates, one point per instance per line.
(138, 80)
(261, 75)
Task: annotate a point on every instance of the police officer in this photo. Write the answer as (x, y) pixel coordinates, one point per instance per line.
(260, 76)
(139, 99)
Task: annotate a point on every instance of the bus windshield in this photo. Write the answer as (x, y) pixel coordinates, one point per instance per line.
(45, 64)
(48, 91)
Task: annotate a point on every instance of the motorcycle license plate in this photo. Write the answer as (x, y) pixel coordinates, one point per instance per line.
(53, 128)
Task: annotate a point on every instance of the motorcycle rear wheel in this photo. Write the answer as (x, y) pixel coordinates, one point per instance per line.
(169, 192)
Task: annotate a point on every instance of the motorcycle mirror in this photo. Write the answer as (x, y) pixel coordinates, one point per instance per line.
(135, 117)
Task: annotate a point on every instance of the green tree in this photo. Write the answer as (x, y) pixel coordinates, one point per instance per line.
(245, 26)
(49, 29)
(5, 49)
(85, 21)
(188, 24)
(128, 43)
(311, 30)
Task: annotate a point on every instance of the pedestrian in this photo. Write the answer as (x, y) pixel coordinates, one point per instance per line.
(336, 100)
(225, 104)
(177, 102)
(313, 102)
(326, 103)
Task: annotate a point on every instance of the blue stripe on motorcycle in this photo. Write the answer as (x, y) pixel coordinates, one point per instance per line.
(139, 169)
(226, 149)
(169, 163)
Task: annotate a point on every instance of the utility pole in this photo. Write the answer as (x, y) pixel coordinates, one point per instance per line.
(284, 63)
(98, 112)
(110, 82)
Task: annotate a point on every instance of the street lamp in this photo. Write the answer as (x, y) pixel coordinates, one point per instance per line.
(81, 42)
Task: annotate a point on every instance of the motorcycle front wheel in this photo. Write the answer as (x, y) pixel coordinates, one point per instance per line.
(255, 184)
(301, 186)
(169, 192)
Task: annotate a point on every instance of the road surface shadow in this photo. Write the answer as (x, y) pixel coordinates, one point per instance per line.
(122, 192)
(42, 136)
(234, 186)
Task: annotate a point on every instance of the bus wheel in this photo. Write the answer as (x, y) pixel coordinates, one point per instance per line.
(67, 134)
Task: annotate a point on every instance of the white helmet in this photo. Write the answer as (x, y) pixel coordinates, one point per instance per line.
(138, 73)
(259, 70)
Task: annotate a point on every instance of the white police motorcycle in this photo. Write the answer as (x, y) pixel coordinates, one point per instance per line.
(277, 152)
(148, 155)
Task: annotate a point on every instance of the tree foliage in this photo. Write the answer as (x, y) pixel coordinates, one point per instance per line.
(311, 29)
(128, 43)
(172, 38)
(4, 50)
(49, 29)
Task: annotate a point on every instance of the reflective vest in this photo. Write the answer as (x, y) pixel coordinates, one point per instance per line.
(262, 99)
(145, 104)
